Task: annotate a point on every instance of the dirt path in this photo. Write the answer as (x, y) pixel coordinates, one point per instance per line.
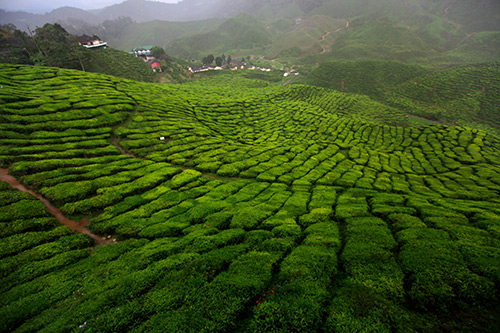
(114, 142)
(329, 32)
(326, 35)
(73, 225)
(117, 145)
(445, 15)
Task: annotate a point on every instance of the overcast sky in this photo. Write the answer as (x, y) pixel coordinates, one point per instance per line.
(43, 6)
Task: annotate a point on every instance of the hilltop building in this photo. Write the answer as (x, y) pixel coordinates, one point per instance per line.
(143, 51)
(91, 42)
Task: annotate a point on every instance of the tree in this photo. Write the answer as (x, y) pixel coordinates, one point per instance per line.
(58, 47)
(8, 27)
(50, 45)
(219, 61)
(158, 52)
(208, 60)
(229, 60)
(14, 45)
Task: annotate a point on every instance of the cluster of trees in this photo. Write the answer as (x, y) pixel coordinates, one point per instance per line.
(219, 60)
(50, 45)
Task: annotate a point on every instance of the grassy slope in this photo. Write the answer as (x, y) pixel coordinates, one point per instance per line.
(466, 95)
(373, 78)
(479, 47)
(242, 32)
(159, 33)
(307, 37)
(114, 62)
(122, 64)
(265, 207)
(417, 31)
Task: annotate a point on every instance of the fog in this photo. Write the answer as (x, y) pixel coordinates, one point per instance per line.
(40, 7)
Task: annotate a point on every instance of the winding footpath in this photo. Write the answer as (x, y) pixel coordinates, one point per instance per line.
(329, 32)
(73, 225)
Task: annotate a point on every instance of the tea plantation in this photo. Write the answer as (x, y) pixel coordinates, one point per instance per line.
(240, 206)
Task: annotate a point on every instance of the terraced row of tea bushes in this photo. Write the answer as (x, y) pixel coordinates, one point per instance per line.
(66, 115)
(31, 240)
(373, 78)
(286, 141)
(354, 227)
(466, 95)
(221, 246)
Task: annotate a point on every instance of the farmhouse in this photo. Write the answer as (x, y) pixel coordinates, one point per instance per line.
(142, 50)
(155, 66)
(91, 42)
(204, 68)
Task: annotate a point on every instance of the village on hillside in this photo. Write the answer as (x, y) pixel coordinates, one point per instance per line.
(145, 52)
(233, 65)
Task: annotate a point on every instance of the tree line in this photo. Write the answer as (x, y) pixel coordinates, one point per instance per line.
(219, 60)
(50, 45)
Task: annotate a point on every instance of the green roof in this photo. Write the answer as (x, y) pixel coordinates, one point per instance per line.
(147, 47)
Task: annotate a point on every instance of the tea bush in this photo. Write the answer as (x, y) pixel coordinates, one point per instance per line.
(241, 206)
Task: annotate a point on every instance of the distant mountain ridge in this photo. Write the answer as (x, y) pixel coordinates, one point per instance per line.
(427, 32)
(137, 10)
(472, 15)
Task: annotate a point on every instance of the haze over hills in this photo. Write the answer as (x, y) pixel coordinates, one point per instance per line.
(427, 32)
(472, 15)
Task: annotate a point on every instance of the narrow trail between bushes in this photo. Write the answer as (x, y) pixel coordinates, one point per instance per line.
(73, 225)
(114, 142)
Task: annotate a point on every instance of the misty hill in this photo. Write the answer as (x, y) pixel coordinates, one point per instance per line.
(122, 64)
(126, 35)
(137, 10)
(427, 32)
(411, 35)
(242, 32)
(466, 95)
(144, 10)
(66, 15)
(473, 16)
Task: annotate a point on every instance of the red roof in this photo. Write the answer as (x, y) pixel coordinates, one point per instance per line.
(155, 64)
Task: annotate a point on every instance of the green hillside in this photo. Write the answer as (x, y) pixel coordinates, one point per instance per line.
(157, 33)
(466, 95)
(386, 39)
(242, 32)
(478, 48)
(374, 78)
(306, 37)
(236, 205)
(122, 64)
(425, 32)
